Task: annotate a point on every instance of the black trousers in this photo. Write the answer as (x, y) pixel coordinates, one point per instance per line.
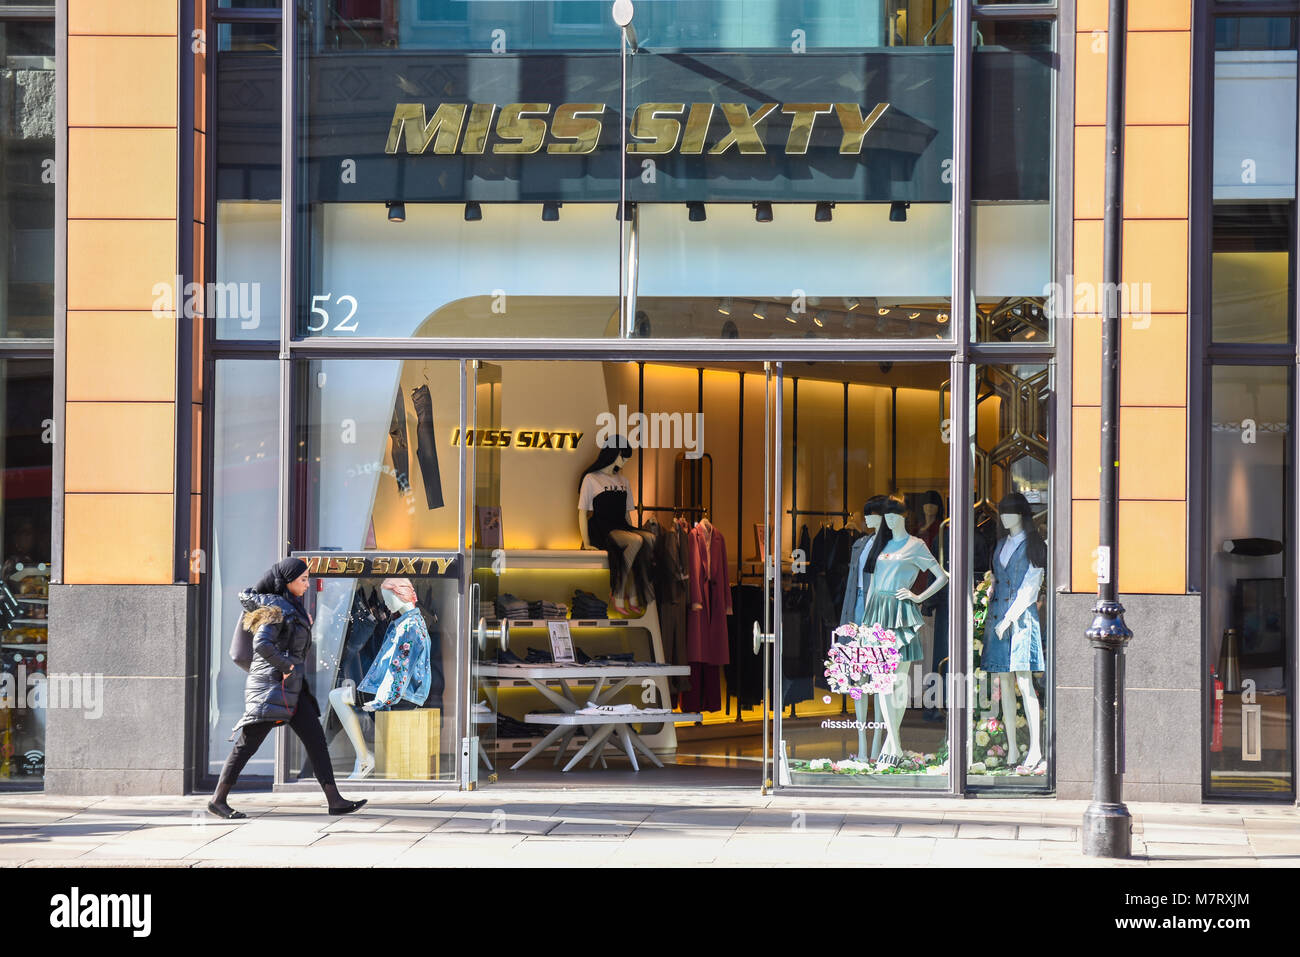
(426, 449)
(305, 723)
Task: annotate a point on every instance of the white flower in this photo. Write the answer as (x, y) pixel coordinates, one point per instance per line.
(978, 768)
(819, 764)
(991, 761)
(1021, 722)
(979, 646)
(982, 738)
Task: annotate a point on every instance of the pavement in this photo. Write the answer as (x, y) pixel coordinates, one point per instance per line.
(514, 827)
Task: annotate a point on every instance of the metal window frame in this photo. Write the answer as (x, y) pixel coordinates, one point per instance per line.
(1204, 355)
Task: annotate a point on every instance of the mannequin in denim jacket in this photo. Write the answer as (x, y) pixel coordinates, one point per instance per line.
(394, 679)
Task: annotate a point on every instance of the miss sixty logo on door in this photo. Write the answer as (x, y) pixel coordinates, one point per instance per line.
(518, 439)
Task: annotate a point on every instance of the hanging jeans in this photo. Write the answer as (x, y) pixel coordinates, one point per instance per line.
(426, 449)
(397, 432)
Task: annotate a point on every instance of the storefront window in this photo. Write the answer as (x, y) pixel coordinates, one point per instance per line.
(1012, 76)
(245, 476)
(26, 445)
(1009, 688)
(247, 239)
(27, 125)
(1249, 620)
(1254, 178)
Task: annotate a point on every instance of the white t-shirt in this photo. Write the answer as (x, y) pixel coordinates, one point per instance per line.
(593, 483)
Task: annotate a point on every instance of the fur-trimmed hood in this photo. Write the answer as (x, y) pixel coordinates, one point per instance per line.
(263, 615)
(255, 603)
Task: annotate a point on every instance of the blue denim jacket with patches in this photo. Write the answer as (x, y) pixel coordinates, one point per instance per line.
(401, 669)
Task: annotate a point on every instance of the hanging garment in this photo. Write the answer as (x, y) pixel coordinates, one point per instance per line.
(856, 579)
(426, 450)
(710, 596)
(745, 673)
(400, 453)
(1016, 584)
(705, 693)
(896, 568)
(361, 628)
(672, 587)
(437, 679)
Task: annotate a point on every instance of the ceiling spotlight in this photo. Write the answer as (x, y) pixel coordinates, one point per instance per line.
(882, 312)
(898, 212)
(760, 310)
(695, 212)
(762, 212)
(941, 317)
(551, 212)
(821, 318)
(914, 315)
(473, 212)
(628, 211)
(852, 302)
(823, 214)
(724, 307)
(789, 317)
(396, 212)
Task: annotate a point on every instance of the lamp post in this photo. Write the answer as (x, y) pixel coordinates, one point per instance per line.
(1107, 825)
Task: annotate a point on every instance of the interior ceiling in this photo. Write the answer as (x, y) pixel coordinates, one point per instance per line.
(903, 375)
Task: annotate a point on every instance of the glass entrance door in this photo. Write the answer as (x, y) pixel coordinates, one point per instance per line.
(488, 636)
(858, 589)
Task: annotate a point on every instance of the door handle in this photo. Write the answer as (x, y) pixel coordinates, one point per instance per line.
(760, 637)
(501, 633)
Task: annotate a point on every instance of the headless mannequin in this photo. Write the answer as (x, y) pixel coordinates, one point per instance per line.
(872, 523)
(1023, 680)
(343, 701)
(629, 541)
(893, 702)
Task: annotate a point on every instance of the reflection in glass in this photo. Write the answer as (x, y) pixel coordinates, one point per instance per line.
(1249, 624)
(660, 24)
(245, 476)
(27, 125)
(1251, 264)
(1010, 646)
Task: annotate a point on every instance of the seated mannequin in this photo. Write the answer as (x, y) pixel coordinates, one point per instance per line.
(399, 678)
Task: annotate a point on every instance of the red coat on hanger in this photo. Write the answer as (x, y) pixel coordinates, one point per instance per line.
(706, 621)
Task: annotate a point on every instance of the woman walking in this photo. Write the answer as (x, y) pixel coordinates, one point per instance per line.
(276, 690)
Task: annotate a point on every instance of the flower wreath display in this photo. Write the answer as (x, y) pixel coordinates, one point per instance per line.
(863, 659)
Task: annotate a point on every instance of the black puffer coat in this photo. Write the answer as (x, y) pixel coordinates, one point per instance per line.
(281, 637)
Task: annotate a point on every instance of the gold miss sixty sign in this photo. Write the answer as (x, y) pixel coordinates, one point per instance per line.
(575, 128)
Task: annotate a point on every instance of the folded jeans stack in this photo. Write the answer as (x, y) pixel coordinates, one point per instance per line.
(508, 727)
(587, 605)
(539, 610)
(511, 607)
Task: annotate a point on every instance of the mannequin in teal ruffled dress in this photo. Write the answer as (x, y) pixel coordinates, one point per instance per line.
(893, 563)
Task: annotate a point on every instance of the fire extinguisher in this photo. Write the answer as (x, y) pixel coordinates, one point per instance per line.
(1216, 735)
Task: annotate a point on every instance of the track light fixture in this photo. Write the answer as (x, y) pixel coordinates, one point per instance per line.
(396, 212)
(820, 318)
(473, 212)
(724, 307)
(852, 303)
(762, 212)
(823, 213)
(695, 212)
(760, 310)
(898, 212)
(551, 212)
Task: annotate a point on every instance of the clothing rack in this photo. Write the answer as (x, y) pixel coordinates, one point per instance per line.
(701, 509)
(808, 511)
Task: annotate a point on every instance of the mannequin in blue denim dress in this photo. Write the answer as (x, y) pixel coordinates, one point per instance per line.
(1013, 638)
(893, 563)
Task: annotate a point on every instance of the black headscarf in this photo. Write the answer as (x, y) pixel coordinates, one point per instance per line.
(276, 582)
